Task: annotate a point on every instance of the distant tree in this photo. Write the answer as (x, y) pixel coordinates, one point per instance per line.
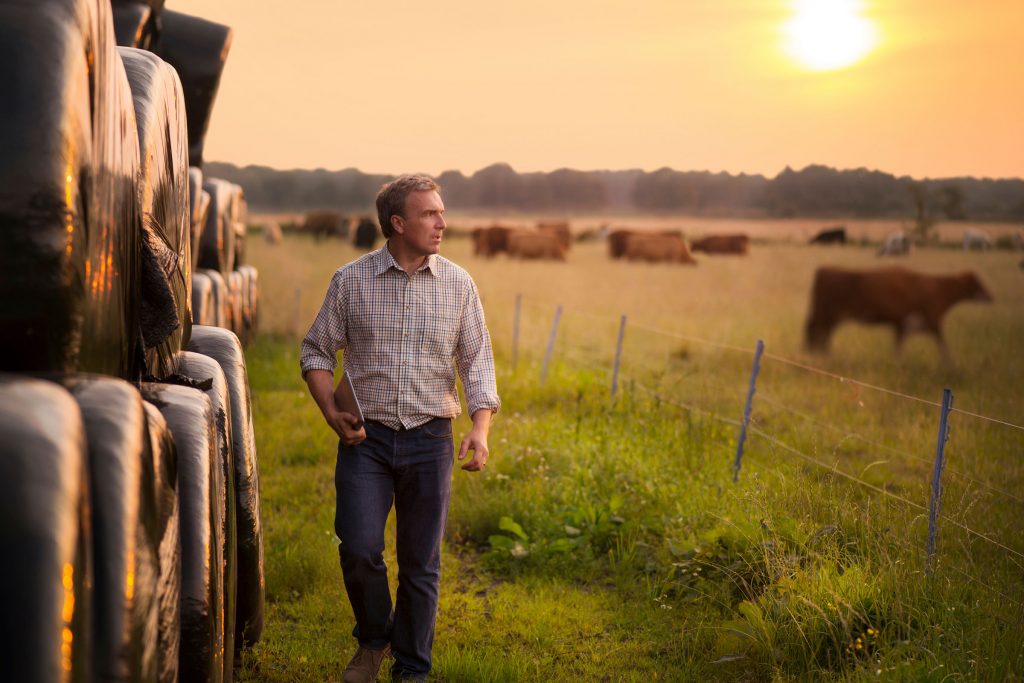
(923, 223)
(951, 200)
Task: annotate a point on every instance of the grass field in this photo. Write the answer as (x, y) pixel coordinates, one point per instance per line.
(607, 542)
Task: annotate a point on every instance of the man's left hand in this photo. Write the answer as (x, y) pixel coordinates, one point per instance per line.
(476, 441)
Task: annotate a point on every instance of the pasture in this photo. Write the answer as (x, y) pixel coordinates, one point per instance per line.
(607, 541)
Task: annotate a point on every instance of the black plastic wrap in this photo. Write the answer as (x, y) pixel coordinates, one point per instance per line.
(251, 296)
(44, 534)
(241, 216)
(200, 368)
(190, 417)
(163, 201)
(203, 211)
(126, 536)
(217, 244)
(197, 208)
(221, 297)
(168, 588)
(203, 305)
(69, 224)
(197, 48)
(224, 347)
(236, 293)
(134, 23)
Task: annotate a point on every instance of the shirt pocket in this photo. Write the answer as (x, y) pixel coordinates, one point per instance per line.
(439, 335)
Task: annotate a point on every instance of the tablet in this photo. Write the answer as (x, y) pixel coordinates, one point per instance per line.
(345, 399)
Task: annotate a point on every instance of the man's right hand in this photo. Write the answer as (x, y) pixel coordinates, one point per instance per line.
(345, 425)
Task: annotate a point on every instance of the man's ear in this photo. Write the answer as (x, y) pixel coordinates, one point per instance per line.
(398, 224)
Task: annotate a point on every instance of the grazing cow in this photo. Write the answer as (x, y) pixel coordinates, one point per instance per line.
(617, 239)
(895, 244)
(559, 229)
(491, 241)
(527, 244)
(906, 300)
(836, 235)
(976, 239)
(722, 244)
(366, 233)
(654, 248)
(321, 224)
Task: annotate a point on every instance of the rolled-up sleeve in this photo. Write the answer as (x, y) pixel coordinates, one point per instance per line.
(474, 356)
(329, 331)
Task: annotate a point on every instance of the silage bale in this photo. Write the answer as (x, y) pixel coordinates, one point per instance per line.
(241, 224)
(168, 590)
(124, 528)
(198, 206)
(217, 244)
(204, 307)
(251, 322)
(134, 23)
(196, 48)
(69, 224)
(163, 188)
(236, 291)
(200, 368)
(221, 297)
(225, 348)
(45, 542)
(190, 417)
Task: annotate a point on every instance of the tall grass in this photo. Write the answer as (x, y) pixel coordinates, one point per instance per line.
(607, 541)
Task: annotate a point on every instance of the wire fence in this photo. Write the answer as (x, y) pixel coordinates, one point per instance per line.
(591, 351)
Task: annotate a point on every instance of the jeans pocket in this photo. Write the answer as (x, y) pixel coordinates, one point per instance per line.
(440, 428)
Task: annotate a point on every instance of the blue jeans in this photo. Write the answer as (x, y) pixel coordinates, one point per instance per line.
(412, 469)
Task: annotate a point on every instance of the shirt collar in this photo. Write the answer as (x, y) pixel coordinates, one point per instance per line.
(385, 262)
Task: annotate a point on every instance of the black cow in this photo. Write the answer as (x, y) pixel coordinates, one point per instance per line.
(836, 235)
(366, 233)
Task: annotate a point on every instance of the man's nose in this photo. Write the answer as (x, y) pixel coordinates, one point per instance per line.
(441, 225)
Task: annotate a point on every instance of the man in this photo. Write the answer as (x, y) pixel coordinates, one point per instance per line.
(402, 314)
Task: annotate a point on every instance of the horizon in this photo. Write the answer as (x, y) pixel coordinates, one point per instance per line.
(618, 170)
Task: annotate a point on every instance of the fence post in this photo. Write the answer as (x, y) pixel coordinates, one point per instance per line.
(940, 461)
(551, 344)
(515, 331)
(618, 355)
(746, 411)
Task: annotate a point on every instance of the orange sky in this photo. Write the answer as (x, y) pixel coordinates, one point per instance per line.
(692, 84)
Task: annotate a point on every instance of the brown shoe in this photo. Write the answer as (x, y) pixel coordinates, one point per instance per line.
(365, 664)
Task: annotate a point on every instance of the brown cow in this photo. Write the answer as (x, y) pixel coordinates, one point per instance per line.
(906, 300)
(559, 229)
(654, 248)
(617, 239)
(722, 244)
(321, 224)
(490, 241)
(535, 245)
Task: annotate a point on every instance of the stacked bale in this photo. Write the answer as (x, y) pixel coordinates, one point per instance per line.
(225, 349)
(69, 222)
(164, 203)
(45, 540)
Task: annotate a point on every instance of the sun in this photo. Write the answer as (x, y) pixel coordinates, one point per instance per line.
(824, 35)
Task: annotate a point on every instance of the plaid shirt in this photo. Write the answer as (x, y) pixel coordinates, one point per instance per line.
(400, 334)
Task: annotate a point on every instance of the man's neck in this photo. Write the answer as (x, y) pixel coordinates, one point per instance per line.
(410, 263)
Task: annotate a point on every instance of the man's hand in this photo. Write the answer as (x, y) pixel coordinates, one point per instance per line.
(344, 424)
(476, 441)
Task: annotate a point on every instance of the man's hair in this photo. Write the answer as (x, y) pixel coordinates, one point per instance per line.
(391, 198)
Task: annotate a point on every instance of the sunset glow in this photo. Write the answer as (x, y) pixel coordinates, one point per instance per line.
(824, 35)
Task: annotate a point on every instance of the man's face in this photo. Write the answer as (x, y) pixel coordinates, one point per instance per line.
(423, 222)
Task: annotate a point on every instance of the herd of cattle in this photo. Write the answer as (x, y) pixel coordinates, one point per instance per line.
(552, 240)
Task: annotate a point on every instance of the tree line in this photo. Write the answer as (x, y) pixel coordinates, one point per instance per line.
(815, 191)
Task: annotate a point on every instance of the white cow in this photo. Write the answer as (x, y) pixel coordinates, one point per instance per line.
(975, 238)
(895, 244)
